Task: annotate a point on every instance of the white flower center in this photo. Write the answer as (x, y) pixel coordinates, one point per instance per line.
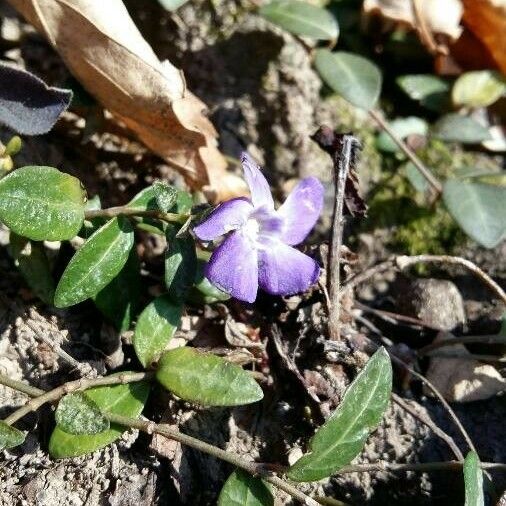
(251, 229)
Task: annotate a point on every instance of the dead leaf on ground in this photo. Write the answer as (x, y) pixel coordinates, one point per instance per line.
(105, 51)
(464, 379)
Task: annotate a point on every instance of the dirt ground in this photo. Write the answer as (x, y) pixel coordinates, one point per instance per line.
(269, 107)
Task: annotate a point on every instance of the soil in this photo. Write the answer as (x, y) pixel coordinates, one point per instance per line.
(265, 97)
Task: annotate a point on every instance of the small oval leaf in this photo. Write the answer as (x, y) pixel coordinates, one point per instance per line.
(42, 203)
(206, 379)
(31, 260)
(96, 263)
(242, 489)
(341, 438)
(479, 88)
(10, 436)
(301, 18)
(479, 209)
(127, 400)
(403, 127)
(180, 265)
(457, 128)
(155, 327)
(165, 195)
(473, 481)
(431, 91)
(78, 414)
(353, 77)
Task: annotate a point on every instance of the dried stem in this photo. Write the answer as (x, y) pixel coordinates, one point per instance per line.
(450, 341)
(112, 212)
(71, 386)
(20, 386)
(451, 465)
(250, 467)
(426, 173)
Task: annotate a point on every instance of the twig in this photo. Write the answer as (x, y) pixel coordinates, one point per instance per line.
(250, 467)
(466, 356)
(427, 420)
(450, 341)
(113, 212)
(20, 386)
(426, 173)
(72, 386)
(421, 467)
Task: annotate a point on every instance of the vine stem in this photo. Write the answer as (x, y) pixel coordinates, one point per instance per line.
(21, 387)
(113, 212)
(426, 173)
(72, 386)
(452, 465)
(237, 461)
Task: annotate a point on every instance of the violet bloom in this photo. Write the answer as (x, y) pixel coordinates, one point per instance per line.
(258, 248)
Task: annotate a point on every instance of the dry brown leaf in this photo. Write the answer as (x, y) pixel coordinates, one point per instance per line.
(105, 51)
(486, 19)
(440, 16)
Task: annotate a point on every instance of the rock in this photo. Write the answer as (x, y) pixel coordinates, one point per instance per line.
(464, 379)
(438, 303)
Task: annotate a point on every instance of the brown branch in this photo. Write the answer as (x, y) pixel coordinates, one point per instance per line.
(20, 386)
(420, 467)
(450, 341)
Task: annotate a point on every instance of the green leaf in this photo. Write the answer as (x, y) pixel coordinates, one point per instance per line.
(206, 379)
(10, 436)
(403, 127)
(165, 195)
(155, 327)
(118, 300)
(180, 265)
(432, 92)
(184, 203)
(473, 480)
(415, 178)
(127, 400)
(355, 78)
(203, 291)
(301, 18)
(42, 203)
(242, 489)
(172, 5)
(341, 438)
(31, 260)
(479, 209)
(96, 263)
(479, 88)
(456, 128)
(78, 414)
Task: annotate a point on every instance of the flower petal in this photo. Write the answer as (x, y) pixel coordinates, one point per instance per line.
(283, 270)
(228, 216)
(258, 185)
(233, 267)
(301, 210)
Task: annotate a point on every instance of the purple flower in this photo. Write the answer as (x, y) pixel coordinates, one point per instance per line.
(258, 248)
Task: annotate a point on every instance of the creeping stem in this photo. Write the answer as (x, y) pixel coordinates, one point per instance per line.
(112, 212)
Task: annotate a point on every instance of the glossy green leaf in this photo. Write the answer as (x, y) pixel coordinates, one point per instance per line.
(96, 263)
(127, 400)
(165, 195)
(10, 436)
(42, 203)
(118, 301)
(355, 78)
(78, 414)
(155, 327)
(473, 481)
(479, 88)
(301, 18)
(180, 265)
(31, 260)
(341, 438)
(479, 209)
(203, 291)
(172, 5)
(457, 128)
(184, 203)
(242, 489)
(403, 127)
(431, 91)
(206, 379)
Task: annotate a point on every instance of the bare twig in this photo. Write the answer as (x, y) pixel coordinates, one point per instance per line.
(426, 173)
(250, 467)
(20, 386)
(72, 386)
(113, 212)
(451, 465)
(466, 356)
(423, 30)
(450, 341)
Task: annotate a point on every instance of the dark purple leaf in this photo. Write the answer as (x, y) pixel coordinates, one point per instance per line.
(27, 105)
